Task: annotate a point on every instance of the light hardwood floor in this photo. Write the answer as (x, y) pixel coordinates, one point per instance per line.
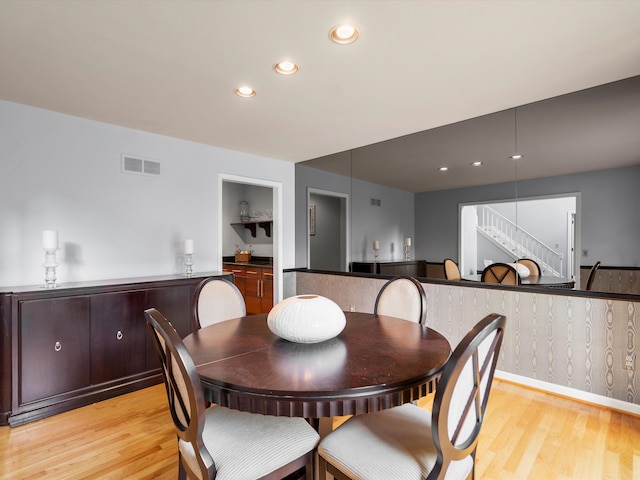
(527, 434)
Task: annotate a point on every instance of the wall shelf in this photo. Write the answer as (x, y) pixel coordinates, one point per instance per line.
(251, 226)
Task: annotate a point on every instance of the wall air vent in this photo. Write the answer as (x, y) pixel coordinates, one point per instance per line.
(140, 166)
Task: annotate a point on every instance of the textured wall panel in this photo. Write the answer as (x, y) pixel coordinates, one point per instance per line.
(577, 342)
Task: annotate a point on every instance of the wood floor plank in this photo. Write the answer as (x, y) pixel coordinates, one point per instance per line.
(527, 434)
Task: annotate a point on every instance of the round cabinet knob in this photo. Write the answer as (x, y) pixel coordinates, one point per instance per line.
(119, 335)
(57, 347)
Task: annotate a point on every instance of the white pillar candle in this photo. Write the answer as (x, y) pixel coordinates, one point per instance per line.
(407, 242)
(188, 247)
(50, 239)
(376, 245)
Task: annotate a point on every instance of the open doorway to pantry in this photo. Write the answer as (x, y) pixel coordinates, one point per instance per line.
(257, 229)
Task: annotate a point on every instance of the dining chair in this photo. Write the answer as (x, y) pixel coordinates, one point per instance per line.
(216, 300)
(220, 443)
(592, 275)
(532, 265)
(408, 441)
(502, 273)
(402, 297)
(451, 270)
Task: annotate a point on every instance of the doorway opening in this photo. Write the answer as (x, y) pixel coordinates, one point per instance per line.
(544, 229)
(327, 230)
(264, 202)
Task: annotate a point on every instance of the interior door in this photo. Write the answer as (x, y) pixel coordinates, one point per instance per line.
(327, 231)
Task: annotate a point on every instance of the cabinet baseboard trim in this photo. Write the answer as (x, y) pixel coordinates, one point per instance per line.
(105, 392)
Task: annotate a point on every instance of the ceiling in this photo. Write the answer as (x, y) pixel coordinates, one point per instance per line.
(170, 67)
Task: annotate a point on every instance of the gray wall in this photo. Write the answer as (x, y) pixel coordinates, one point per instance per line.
(306, 178)
(64, 173)
(610, 223)
(388, 223)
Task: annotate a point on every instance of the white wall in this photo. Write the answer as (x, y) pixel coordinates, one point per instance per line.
(64, 173)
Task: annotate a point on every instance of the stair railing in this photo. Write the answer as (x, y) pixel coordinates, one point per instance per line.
(518, 241)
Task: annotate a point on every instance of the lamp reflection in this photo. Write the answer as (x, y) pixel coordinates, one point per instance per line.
(308, 363)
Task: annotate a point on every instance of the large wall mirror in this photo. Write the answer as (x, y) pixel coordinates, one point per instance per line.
(584, 144)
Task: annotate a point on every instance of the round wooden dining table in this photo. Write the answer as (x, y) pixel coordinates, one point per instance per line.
(376, 362)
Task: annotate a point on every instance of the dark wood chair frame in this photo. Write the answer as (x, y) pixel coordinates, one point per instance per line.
(421, 293)
(189, 422)
(500, 272)
(592, 275)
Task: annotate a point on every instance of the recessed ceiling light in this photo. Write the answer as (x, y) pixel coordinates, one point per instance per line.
(443, 169)
(476, 164)
(285, 67)
(517, 156)
(344, 34)
(245, 92)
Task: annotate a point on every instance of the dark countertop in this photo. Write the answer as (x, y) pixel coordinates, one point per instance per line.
(255, 262)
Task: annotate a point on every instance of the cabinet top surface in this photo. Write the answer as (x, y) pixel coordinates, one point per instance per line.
(108, 283)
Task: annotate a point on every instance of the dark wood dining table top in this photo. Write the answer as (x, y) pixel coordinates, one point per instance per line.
(376, 362)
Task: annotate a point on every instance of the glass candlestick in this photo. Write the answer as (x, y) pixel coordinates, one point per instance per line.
(50, 265)
(407, 252)
(188, 264)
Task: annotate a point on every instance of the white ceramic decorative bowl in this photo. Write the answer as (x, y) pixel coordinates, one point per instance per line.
(306, 319)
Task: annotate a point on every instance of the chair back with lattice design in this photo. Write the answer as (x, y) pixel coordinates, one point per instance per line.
(502, 273)
(462, 394)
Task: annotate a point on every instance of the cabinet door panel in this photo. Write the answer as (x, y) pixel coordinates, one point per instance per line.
(117, 335)
(267, 290)
(54, 347)
(175, 304)
(251, 297)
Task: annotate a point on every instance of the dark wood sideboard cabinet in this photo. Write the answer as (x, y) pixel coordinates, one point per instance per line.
(80, 343)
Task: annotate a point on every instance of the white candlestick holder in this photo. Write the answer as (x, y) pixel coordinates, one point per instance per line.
(50, 265)
(188, 264)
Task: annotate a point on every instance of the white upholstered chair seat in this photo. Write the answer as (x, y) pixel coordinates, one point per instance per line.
(390, 444)
(243, 444)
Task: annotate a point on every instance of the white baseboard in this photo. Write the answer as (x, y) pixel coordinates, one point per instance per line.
(580, 395)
